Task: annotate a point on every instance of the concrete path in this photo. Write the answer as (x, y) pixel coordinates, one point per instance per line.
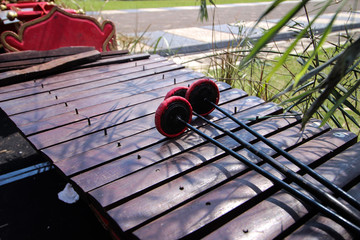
(178, 30)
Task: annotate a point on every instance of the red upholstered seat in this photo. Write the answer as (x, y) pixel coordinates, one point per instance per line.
(61, 29)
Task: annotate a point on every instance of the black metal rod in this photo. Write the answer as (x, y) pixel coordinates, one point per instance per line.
(315, 191)
(337, 190)
(296, 193)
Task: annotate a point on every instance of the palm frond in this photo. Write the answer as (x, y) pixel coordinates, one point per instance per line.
(269, 34)
(342, 65)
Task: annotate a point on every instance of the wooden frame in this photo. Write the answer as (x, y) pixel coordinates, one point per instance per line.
(61, 29)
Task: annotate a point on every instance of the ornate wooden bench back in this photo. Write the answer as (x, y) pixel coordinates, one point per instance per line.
(61, 29)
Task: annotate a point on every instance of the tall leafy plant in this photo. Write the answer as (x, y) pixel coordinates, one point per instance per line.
(203, 14)
(327, 89)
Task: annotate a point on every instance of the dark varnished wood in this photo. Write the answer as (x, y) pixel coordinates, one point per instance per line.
(118, 125)
(155, 154)
(201, 179)
(79, 73)
(321, 227)
(258, 221)
(19, 60)
(163, 171)
(110, 151)
(129, 110)
(96, 124)
(63, 84)
(57, 65)
(24, 55)
(90, 80)
(212, 208)
(84, 102)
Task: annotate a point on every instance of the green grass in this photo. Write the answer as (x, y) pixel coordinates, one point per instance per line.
(96, 5)
(252, 80)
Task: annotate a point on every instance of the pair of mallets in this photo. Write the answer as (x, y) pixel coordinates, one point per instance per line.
(174, 116)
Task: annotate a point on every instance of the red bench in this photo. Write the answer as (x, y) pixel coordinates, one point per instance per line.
(61, 29)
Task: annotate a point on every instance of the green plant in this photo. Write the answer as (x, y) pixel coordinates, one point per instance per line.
(318, 82)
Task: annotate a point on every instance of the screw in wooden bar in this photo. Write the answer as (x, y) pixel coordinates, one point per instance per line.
(89, 122)
(119, 144)
(163, 77)
(105, 131)
(49, 92)
(66, 104)
(42, 85)
(76, 111)
(174, 81)
(235, 110)
(143, 67)
(56, 97)
(138, 156)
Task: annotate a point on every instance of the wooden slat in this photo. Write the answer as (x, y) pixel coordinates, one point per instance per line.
(60, 101)
(321, 227)
(109, 151)
(46, 118)
(75, 75)
(90, 104)
(96, 124)
(110, 59)
(168, 149)
(95, 79)
(57, 65)
(125, 130)
(220, 205)
(16, 60)
(24, 59)
(110, 54)
(130, 108)
(274, 215)
(114, 115)
(118, 125)
(201, 179)
(23, 55)
(344, 165)
(164, 171)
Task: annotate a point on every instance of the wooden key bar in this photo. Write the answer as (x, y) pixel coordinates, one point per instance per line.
(99, 125)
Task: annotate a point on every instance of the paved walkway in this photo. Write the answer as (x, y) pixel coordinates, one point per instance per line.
(198, 39)
(178, 30)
